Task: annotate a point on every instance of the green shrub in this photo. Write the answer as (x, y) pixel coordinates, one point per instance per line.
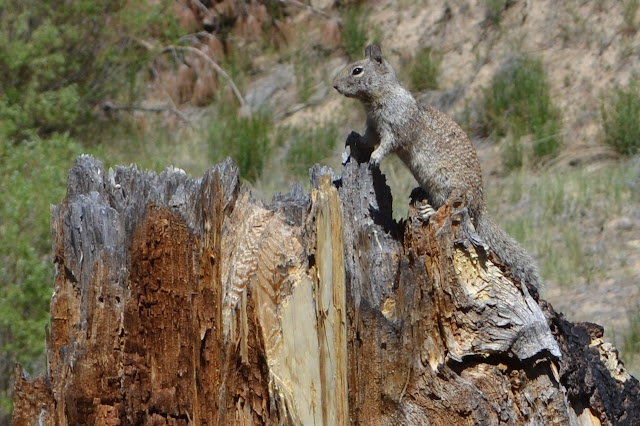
(34, 173)
(621, 119)
(355, 34)
(631, 340)
(310, 145)
(495, 9)
(518, 103)
(424, 70)
(246, 139)
(58, 61)
(511, 153)
(305, 79)
(630, 10)
(239, 66)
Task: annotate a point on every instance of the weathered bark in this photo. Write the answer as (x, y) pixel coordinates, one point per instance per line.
(182, 301)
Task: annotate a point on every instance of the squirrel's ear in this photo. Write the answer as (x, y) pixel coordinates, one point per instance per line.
(374, 52)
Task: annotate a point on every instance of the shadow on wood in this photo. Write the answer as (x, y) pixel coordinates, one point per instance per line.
(186, 301)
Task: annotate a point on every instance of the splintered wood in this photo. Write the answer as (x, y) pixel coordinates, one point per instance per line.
(186, 301)
(485, 312)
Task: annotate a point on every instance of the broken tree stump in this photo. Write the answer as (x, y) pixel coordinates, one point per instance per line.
(187, 301)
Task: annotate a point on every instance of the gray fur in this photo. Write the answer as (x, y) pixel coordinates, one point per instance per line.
(436, 150)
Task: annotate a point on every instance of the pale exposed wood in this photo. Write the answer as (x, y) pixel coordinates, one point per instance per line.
(187, 301)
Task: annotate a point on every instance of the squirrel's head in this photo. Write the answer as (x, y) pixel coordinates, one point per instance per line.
(368, 79)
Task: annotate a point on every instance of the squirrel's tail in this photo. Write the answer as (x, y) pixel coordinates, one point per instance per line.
(522, 265)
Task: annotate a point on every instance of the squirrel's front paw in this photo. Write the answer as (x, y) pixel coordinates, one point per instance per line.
(353, 139)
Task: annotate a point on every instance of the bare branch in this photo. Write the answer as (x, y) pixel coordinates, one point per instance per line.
(203, 8)
(204, 56)
(195, 36)
(109, 106)
(213, 64)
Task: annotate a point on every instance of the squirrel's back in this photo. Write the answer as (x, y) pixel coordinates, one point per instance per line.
(442, 157)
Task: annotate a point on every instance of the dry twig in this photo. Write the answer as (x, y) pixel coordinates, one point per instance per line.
(213, 64)
(108, 106)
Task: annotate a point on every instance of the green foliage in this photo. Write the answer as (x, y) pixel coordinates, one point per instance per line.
(424, 70)
(512, 153)
(631, 340)
(355, 33)
(621, 119)
(518, 103)
(33, 177)
(629, 12)
(310, 145)
(305, 80)
(238, 65)
(60, 58)
(495, 9)
(246, 139)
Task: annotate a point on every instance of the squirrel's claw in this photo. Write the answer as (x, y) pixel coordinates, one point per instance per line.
(425, 211)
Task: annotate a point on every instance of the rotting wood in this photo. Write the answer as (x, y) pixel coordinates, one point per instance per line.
(187, 301)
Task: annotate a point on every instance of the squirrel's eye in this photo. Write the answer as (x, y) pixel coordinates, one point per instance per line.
(357, 71)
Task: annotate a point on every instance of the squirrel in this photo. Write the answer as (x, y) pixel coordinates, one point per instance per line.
(436, 150)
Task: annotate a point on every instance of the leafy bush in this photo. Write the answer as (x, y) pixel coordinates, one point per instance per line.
(495, 9)
(33, 177)
(518, 103)
(424, 70)
(621, 119)
(59, 60)
(246, 139)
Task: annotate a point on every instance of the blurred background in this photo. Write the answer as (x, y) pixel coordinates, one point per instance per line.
(548, 91)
